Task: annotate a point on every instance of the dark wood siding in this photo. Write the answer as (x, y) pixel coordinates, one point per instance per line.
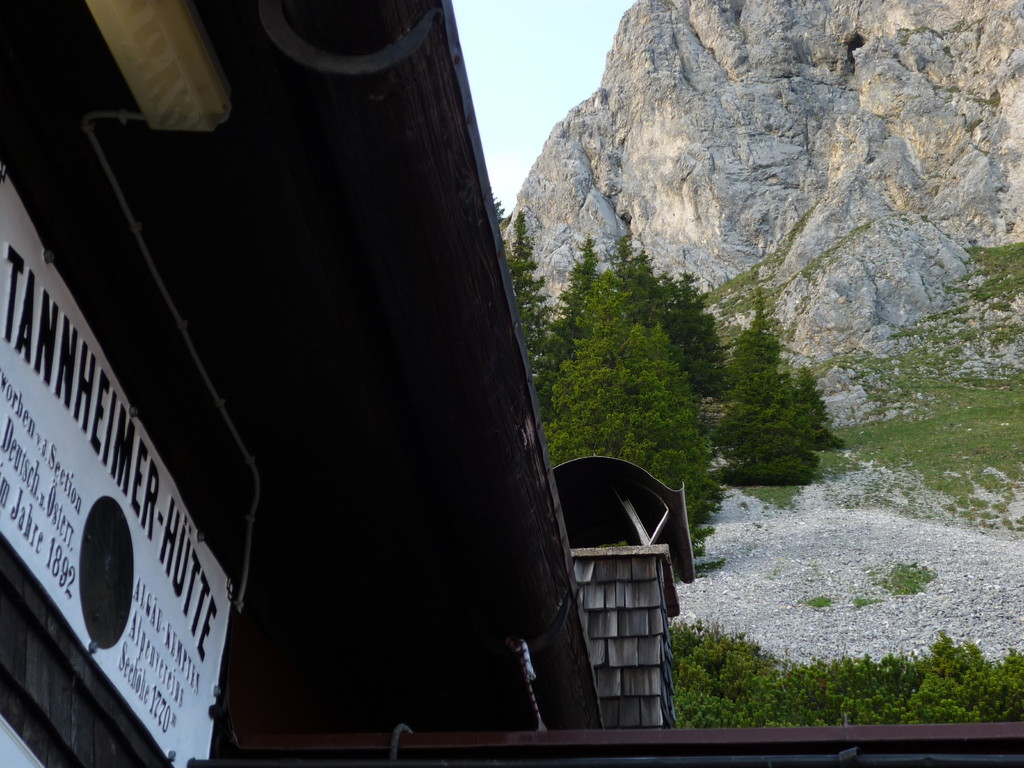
(50, 691)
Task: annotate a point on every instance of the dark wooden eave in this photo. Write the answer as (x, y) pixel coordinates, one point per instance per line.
(333, 248)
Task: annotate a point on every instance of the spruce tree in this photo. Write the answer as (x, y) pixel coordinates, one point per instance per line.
(635, 271)
(763, 436)
(694, 335)
(529, 290)
(813, 409)
(680, 309)
(567, 327)
(621, 395)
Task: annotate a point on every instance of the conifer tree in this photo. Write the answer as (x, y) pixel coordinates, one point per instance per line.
(635, 271)
(567, 327)
(680, 309)
(528, 288)
(694, 335)
(499, 212)
(813, 408)
(764, 437)
(621, 395)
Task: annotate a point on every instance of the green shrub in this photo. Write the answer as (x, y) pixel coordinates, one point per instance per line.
(821, 601)
(863, 602)
(905, 578)
(703, 569)
(781, 496)
(724, 681)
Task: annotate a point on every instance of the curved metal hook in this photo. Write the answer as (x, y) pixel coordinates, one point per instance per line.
(301, 51)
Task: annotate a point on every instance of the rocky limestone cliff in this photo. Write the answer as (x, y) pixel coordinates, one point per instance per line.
(846, 150)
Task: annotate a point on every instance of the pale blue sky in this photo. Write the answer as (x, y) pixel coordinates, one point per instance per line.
(529, 63)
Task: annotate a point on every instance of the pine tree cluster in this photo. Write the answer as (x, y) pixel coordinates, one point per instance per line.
(627, 361)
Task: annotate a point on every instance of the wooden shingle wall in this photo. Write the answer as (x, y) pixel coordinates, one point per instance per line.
(622, 591)
(51, 693)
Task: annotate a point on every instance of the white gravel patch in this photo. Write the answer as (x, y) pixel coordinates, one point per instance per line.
(837, 535)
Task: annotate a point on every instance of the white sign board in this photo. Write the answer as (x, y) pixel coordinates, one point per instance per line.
(92, 511)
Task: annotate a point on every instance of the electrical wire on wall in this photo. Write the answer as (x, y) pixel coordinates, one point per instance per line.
(123, 116)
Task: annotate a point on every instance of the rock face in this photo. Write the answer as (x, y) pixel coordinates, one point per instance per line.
(850, 150)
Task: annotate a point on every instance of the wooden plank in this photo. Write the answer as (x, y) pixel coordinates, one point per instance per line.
(668, 712)
(634, 518)
(57, 697)
(649, 595)
(605, 570)
(634, 623)
(106, 748)
(82, 727)
(609, 682)
(584, 570)
(658, 621)
(666, 690)
(610, 712)
(641, 681)
(622, 652)
(644, 568)
(629, 712)
(36, 602)
(604, 623)
(651, 715)
(13, 639)
(649, 650)
(610, 590)
(623, 569)
(656, 533)
(667, 585)
(58, 679)
(593, 596)
(629, 598)
(11, 705)
(39, 741)
(37, 673)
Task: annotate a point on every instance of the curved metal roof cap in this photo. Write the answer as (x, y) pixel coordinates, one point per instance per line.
(583, 487)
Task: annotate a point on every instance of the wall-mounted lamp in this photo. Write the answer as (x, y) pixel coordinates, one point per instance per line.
(163, 53)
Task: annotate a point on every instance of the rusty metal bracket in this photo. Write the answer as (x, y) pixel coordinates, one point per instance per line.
(301, 51)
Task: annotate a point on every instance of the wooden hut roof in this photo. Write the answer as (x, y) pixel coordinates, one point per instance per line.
(333, 249)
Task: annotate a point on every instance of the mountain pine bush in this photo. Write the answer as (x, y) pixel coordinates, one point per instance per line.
(726, 681)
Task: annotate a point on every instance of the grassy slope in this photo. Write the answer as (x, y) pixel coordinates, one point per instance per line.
(959, 427)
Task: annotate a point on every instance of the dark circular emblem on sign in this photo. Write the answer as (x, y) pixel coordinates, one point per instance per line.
(107, 571)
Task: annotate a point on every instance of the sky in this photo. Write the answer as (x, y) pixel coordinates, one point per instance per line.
(529, 63)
